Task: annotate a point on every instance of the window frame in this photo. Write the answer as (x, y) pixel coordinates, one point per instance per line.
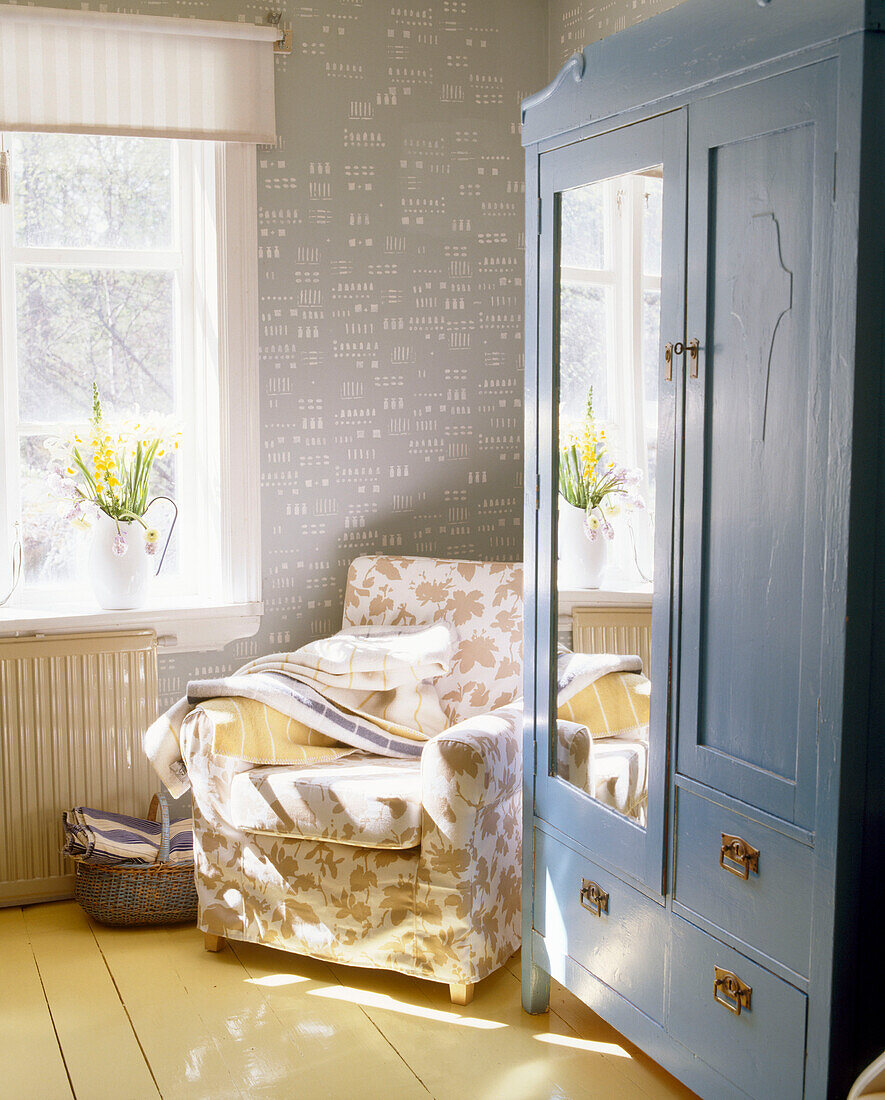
(201, 620)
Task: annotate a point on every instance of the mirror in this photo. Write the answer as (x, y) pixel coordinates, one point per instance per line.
(607, 337)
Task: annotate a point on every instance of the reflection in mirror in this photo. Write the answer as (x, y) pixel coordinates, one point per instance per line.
(608, 323)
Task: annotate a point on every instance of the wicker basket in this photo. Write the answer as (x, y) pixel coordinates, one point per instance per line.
(128, 894)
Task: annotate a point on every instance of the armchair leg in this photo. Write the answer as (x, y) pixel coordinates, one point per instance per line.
(212, 943)
(461, 994)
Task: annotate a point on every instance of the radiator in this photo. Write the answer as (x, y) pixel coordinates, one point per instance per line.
(612, 630)
(72, 711)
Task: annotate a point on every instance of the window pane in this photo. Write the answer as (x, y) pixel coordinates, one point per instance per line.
(652, 225)
(79, 324)
(585, 312)
(73, 191)
(53, 548)
(651, 337)
(582, 227)
(164, 482)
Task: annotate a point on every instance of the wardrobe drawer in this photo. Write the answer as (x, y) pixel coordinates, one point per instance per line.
(761, 1050)
(770, 909)
(624, 945)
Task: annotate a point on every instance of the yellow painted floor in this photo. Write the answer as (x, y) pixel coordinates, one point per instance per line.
(95, 1012)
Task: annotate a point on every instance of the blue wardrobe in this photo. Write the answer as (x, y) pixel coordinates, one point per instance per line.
(730, 922)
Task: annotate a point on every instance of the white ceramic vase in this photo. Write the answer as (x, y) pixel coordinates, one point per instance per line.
(582, 562)
(119, 581)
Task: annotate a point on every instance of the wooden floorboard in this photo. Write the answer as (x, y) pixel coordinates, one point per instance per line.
(31, 1065)
(100, 1049)
(131, 1013)
(491, 1045)
(184, 1046)
(325, 1028)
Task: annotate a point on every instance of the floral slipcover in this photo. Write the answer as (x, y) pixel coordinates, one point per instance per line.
(447, 908)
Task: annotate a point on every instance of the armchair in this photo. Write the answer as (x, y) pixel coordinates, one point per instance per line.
(407, 865)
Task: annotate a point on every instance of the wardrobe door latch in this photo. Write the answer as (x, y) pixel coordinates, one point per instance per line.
(693, 348)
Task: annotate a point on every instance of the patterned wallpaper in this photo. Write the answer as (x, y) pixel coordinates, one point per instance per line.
(390, 259)
(573, 24)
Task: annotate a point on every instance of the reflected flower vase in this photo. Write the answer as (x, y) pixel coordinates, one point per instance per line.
(582, 561)
(119, 568)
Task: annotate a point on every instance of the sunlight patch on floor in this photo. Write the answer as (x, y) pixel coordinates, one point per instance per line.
(592, 1045)
(382, 1000)
(276, 980)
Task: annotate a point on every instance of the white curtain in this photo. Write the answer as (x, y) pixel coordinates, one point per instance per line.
(87, 72)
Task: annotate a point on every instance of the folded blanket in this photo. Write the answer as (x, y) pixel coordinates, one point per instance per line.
(95, 836)
(615, 704)
(257, 734)
(577, 671)
(365, 688)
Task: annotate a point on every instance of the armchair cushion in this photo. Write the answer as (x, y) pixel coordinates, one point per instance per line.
(364, 800)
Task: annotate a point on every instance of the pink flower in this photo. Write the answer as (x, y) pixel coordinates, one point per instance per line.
(150, 548)
(120, 545)
(591, 526)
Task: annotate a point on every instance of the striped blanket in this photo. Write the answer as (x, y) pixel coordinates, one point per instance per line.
(94, 836)
(366, 688)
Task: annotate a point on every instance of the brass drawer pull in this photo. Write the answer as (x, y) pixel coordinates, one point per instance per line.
(593, 897)
(730, 992)
(741, 857)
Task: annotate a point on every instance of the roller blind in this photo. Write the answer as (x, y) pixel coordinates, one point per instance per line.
(96, 73)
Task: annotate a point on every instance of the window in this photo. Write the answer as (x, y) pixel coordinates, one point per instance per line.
(115, 267)
(610, 309)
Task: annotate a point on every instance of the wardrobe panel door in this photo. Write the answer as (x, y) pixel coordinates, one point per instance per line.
(761, 162)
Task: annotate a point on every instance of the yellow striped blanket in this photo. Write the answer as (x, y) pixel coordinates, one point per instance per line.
(615, 705)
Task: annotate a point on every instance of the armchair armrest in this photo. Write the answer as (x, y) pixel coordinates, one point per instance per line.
(574, 755)
(469, 874)
(210, 775)
(472, 766)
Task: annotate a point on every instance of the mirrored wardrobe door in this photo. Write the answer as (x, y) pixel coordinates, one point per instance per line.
(612, 219)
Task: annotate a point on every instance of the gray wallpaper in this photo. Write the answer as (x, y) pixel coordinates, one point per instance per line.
(391, 275)
(391, 279)
(573, 24)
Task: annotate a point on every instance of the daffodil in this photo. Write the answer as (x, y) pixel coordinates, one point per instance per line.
(106, 466)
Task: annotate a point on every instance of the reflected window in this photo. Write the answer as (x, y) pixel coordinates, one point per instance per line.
(610, 308)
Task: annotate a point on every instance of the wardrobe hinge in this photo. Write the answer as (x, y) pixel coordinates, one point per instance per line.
(835, 169)
(537, 492)
(539, 215)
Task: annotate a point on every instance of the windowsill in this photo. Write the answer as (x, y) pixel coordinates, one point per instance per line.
(612, 594)
(180, 627)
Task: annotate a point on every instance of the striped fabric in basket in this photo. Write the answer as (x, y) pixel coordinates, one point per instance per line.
(95, 836)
